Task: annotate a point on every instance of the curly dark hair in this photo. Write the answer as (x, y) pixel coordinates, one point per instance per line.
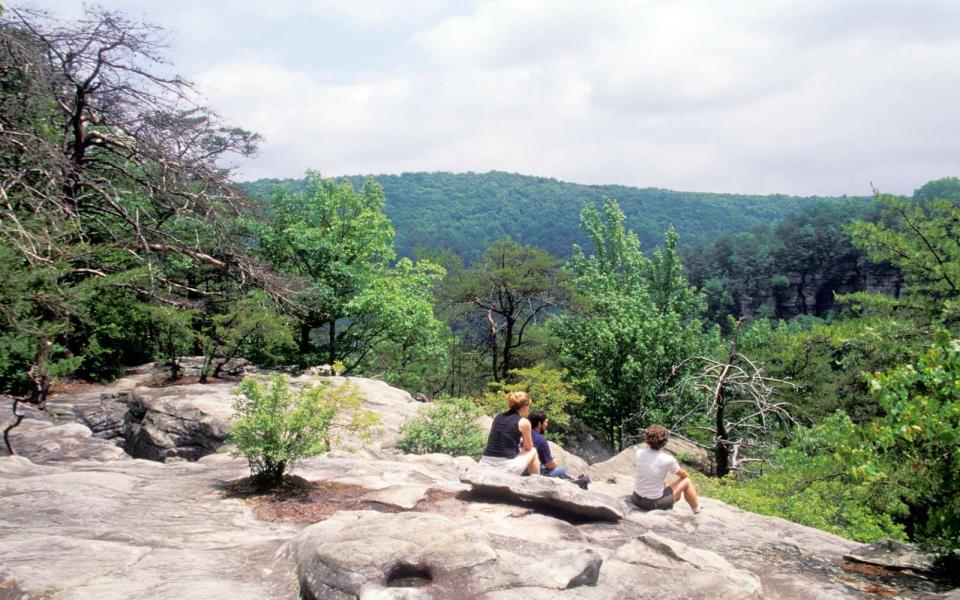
(656, 436)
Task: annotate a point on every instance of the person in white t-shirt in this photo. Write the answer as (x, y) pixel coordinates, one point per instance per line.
(653, 465)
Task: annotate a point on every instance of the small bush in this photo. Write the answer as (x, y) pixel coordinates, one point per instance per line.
(276, 426)
(449, 427)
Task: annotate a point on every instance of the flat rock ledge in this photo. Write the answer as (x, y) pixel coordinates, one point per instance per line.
(426, 555)
(546, 492)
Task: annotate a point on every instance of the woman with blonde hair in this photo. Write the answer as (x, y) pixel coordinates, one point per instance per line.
(510, 445)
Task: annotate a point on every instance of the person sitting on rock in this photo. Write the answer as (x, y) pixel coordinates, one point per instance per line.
(549, 467)
(509, 431)
(653, 465)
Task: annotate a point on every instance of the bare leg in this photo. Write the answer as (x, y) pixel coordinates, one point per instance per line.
(534, 467)
(684, 487)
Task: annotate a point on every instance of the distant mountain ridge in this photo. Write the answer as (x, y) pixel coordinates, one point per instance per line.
(466, 211)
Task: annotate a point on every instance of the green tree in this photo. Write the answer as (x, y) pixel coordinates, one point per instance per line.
(276, 426)
(919, 237)
(917, 441)
(633, 320)
(251, 320)
(505, 294)
(340, 244)
(337, 240)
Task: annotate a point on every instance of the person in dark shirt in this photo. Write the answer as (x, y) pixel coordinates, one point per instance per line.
(549, 467)
(509, 445)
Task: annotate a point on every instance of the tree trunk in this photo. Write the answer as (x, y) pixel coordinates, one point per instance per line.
(722, 448)
(332, 356)
(493, 345)
(721, 451)
(507, 354)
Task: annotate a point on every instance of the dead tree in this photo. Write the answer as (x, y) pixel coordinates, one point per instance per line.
(739, 401)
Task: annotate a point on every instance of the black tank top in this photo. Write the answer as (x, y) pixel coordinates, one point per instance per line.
(504, 439)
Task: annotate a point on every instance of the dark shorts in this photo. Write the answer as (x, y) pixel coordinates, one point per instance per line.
(664, 502)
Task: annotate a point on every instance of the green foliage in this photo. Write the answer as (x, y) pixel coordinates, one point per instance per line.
(506, 292)
(465, 212)
(830, 362)
(552, 391)
(448, 427)
(275, 426)
(634, 319)
(919, 237)
(808, 482)
(250, 324)
(404, 339)
(895, 476)
(355, 306)
(918, 440)
(779, 267)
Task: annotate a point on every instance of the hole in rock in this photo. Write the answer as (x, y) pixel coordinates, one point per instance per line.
(407, 575)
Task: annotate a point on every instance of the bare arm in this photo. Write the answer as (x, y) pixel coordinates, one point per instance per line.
(681, 474)
(524, 426)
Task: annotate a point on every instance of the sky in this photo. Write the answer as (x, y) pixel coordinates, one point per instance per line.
(808, 97)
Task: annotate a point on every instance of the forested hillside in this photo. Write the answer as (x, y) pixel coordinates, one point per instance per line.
(464, 212)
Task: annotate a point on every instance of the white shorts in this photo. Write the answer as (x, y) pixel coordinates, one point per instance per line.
(516, 465)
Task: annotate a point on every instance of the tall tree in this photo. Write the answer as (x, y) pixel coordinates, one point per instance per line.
(338, 241)
(633, 320)
(508, 291)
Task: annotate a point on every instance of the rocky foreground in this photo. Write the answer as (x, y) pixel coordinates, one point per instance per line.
(82, 518)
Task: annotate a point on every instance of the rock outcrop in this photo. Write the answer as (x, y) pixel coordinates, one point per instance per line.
(544, 492)
(82, 519)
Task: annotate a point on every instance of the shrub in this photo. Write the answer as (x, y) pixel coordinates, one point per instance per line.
(551, 391)
(276, 426)
(449, 427)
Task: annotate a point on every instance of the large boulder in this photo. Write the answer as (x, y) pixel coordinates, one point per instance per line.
(545, 492)
(188, 421)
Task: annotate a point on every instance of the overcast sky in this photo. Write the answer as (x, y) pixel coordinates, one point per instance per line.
(791, 96)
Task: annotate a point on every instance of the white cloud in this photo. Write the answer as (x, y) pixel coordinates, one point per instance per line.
(794, 96)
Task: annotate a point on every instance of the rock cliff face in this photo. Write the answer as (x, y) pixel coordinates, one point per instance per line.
(812, 292)
(81, 518)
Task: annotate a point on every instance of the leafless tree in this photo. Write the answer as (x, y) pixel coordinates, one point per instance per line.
(740, 401)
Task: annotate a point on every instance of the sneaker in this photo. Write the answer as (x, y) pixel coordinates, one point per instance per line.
(583, 481)
(697, 510)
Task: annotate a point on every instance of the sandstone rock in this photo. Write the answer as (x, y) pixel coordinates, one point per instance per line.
(319, 371)
(353, 549)
(106, 417)
(894, 555)
(79, 523)
(544, 492)
(188, 421)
